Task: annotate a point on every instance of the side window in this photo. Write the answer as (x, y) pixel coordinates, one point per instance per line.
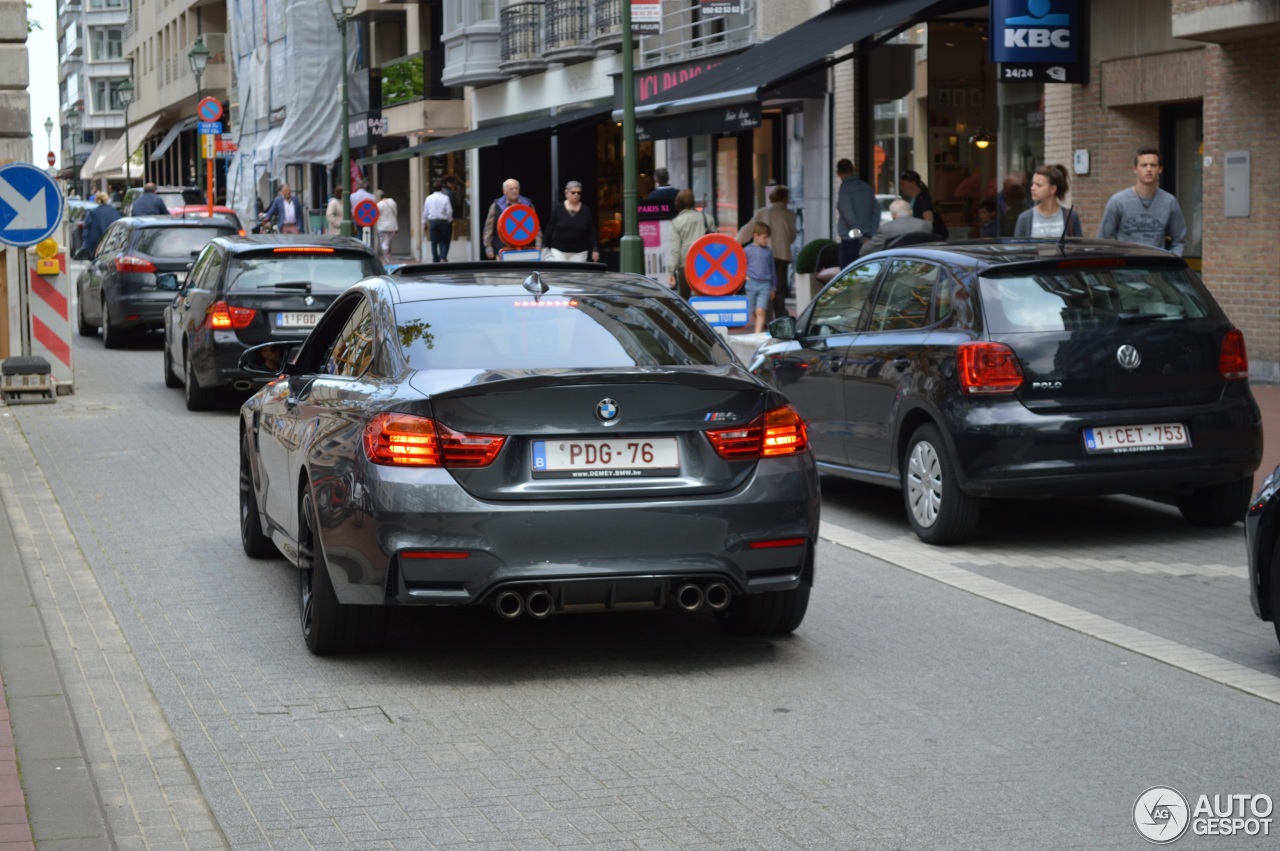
(199, 277)
(839, 308)
(352, 350)
(903, 300)
(112, 240)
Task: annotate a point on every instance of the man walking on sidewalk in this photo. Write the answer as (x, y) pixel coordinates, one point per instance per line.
(1145, 213)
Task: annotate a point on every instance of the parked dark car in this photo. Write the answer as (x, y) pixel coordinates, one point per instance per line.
(77, 209)
(244, 291)
(1262, 540)
(1022, 369)
(118, 288)
(540, 438)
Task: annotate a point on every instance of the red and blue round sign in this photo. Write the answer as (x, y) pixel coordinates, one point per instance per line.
(365, 213)
(518, 225)
(716, 265)
(209, 109)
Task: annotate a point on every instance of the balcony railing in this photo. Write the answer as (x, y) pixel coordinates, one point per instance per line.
(568, 29)
(522, 38)
(415, 77)
(608, 25)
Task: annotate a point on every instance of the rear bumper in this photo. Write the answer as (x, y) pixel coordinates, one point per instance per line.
(139, 310)
(369, 531)
(1006, 450)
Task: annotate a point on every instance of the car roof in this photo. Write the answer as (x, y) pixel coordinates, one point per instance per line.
(427, 281)
(256, 241)
(1000, 252)
(162, 221)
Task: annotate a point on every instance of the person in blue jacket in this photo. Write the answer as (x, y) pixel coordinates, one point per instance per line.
(96, 222)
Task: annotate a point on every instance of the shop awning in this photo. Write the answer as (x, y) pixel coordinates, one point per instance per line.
(492, 134)
(107, 157)
(748, 76)
(185, 124)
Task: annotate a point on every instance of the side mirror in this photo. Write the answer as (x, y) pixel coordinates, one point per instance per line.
(269, 359)
(167, 281)
(782, 328)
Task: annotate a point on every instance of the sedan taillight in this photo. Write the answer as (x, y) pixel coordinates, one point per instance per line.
(778, 432)
(1233, 360)
(129, 263)
(986, 368)
(222, 316)
(403, 440)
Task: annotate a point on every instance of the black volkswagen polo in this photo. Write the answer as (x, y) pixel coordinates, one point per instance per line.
(244, 291)
(1023, 369)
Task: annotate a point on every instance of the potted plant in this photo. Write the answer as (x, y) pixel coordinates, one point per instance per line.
(806, 264)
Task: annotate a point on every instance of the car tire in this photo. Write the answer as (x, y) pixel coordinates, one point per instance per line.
(112, 337)
(170, 379)
(940, 513)
(766, 613)
(85, 329)
(198, 398)
(255, 542)
(1216, 505)
(329, 627)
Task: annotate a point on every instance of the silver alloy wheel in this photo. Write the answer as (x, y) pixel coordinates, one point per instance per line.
(307, 565)
(924, 483)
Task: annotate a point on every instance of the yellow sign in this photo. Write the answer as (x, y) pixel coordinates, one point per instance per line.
(47, 248)
(208, 145)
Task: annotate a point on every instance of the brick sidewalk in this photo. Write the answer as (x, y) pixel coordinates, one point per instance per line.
(15, 831)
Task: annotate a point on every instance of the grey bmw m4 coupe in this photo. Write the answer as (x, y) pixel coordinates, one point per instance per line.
(538, 438)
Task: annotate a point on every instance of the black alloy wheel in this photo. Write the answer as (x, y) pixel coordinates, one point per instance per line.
(329, 627)
(255, 542)
(112, 337)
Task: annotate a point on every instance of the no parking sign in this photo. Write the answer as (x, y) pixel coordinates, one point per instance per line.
(365, 213)
(518, 225)
(716, 265)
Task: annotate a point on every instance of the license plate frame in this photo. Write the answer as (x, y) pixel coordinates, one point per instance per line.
(1143, 437)
(585, 457)
(283, 318)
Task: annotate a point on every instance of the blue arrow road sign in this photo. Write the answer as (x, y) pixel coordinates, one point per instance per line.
(211, 128)
(724, 311)
(31, 205)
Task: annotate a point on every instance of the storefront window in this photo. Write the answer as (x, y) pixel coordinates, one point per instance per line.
(726, 209)
(1182, 153)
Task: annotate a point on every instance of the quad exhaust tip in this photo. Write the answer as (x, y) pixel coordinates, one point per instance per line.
(689, 597)
(717, 596)
(539, 604)
(509, 604)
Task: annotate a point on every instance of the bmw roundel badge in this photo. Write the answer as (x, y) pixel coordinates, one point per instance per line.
(607, 410)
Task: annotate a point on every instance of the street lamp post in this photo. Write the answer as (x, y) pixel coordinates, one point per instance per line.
(342, 12)
(198, 58)
(125, 93)
(73, 124)
(48, 132)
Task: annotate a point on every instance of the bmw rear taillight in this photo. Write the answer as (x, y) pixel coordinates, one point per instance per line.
(1233, 360)
(222, 316)
(778, 432)
(987, 368)
(403, 440)
(129, 263)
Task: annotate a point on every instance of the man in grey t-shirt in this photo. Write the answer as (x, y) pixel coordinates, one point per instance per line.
(1145, 213)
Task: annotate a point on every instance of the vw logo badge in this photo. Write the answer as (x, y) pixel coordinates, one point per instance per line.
(1128, 357)
(607, 410)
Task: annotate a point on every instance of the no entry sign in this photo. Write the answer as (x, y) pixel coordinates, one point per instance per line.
(365, 214)
(518, 225)
(716, 265)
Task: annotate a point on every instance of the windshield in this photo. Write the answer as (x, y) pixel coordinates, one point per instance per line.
(1067, 300)
(327, 273)
(178, 241)
(504, 332)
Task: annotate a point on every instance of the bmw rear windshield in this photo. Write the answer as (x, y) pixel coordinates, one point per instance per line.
(326, 270)
(556, 332)
(1069, 299)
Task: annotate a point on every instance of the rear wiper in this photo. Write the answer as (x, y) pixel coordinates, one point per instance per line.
(1135, 318)
(305, 286)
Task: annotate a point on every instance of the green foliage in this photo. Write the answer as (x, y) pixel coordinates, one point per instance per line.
(807, 259)
(32, 25)
(402, 81)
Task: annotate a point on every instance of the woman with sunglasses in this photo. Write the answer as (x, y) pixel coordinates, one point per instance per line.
(571, 230)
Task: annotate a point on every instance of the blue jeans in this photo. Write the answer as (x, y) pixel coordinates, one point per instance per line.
(440, 231)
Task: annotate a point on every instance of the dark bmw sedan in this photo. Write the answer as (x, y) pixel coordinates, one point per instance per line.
(120, 287)
(1022, 369)
(1262, 539)
(542, 439)
(244, 291)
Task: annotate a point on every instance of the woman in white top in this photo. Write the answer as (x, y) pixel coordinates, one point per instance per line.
(1048, 218)
(388, 224)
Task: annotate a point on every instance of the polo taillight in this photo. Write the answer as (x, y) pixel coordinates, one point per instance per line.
(223, 316)
(987, 368)
(1233, 360)
(403, 440)
(777, 432)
